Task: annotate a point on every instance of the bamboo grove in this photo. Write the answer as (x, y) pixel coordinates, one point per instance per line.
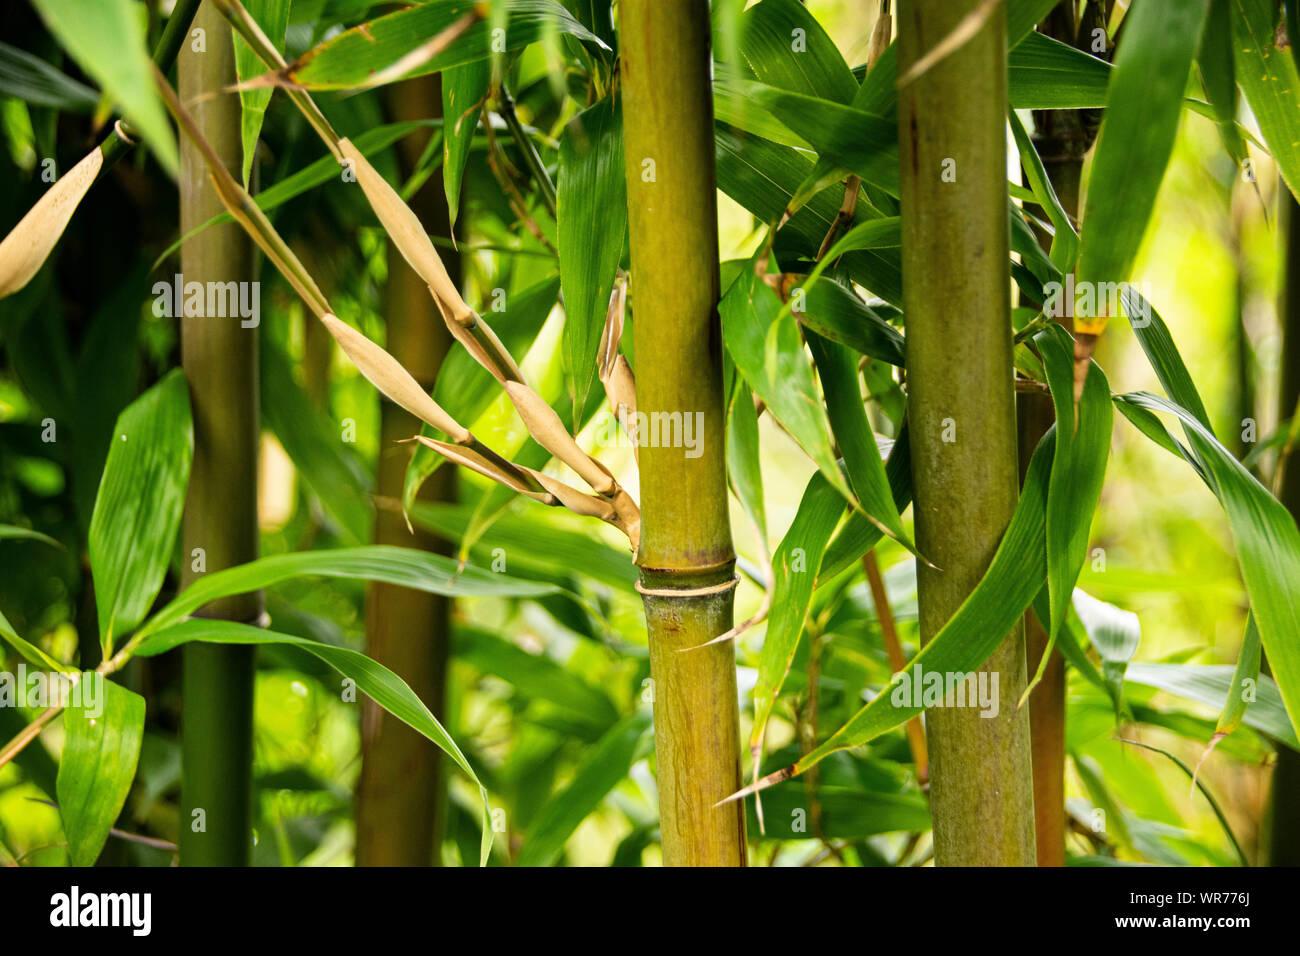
(655, 432)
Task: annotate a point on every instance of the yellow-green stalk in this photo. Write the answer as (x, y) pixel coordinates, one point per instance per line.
(685, 555)
(952, 132)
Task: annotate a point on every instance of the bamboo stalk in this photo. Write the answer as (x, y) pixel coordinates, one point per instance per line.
(1062, 137)
(961, 402)
(400, 802)
(685, 553)
(220, 362)
(1280, 839)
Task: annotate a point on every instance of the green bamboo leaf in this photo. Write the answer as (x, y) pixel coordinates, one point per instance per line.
(763, 340)
(1046, 74)
(764, 177)
(419, 570)
(463, 90)
(1245, 680)
(1218, 77)
(13, 531)
(847, 813)
(372, 678)
(1137, 134)
(138, 508)
(858, 534)
(744, 462)
(1015, 575)
(100, 752)
(794, 566)
(1065, 241)
(534, 543)
(784, 46)
(350, 58)
(1269, 80)
(836, 313)
(599, 771)
(838, 369)
(33, 80)
(591, 214)
(30, 651)
(1211, 685)
(273, 17)
(1079, 467)
(534, 676)
(1115, 633)
(106, 38)
(1267, 540)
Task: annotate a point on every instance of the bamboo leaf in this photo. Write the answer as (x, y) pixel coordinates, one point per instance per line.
(1115, 633)
(419, 570)
(1046, 74)
(1267, 540)
(348, 59)
(599, 771)
(744, 462)
(763, 340)
(106, 38)
(838, 370)
(1218, 76)
(138, 508)
(372, 678)
(1015, 575)
(858, 534)
(534, 676)
(1065, 241)
(836, 313)
(273, 17)
(463, 90)
(25, 249)
(784, 46)
(1136, 138)
(34, 81)
(1079, 466)
(794, 566)
(100, 752)
(1211, 685)
(1269, 80)
(1244, 678)
(591, 214)
(30, 651)
(847, 813)
(1161, 351)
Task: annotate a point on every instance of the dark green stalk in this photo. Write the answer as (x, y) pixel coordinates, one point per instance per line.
(686, 557)
(506, 108)
(1062, 138)
(1280, 839)
(400, 811)
(220, 361)
(961, 407)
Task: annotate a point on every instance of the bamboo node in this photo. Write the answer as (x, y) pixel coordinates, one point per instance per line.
(720, 588)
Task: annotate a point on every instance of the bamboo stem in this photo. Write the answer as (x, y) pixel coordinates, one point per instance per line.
(400, 803)
(220, 362)
(685, 554)
(1280, 839)
(961, 403)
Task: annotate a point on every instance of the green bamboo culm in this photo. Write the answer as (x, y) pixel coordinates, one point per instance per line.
(401, 793)
(686, 557)
(220, 526)
(953, 163)
(1281, 830)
